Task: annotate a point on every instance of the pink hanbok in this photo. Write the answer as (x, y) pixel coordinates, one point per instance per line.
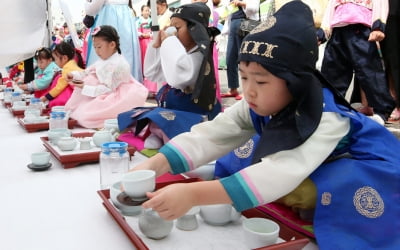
(109, 89)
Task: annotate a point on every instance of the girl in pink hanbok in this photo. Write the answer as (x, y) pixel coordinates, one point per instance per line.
(143, 24)
(106, 88)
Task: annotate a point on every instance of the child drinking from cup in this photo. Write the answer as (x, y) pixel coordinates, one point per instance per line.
(181, 56)
(307, 132)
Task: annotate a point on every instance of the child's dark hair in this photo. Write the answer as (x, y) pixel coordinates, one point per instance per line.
(144, 6)
(66, 49)
(43, 53)
(108, 33)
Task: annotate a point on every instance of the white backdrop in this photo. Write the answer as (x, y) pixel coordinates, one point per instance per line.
(23, 29)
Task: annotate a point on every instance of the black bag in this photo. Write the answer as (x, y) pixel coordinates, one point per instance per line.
(247, 25)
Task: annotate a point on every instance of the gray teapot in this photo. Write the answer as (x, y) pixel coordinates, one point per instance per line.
(153, 226)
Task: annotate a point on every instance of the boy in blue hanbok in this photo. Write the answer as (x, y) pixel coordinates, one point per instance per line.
(308, 134)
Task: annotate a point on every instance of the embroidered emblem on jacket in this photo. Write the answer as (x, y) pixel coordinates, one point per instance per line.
(368, 202)
(326, 198)
(168, 115)
(245, 150)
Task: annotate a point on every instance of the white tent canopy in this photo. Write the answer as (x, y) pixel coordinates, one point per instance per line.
(23, 29)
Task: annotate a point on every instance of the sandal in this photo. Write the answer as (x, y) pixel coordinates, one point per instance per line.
(230, 94)
(395, 116)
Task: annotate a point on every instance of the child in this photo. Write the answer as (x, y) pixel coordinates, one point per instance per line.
(45, 73)
(354, 28)
(308, 133)
(64, 56)
(119, 15)
(107, 87)
(143, 24)
(183, 59)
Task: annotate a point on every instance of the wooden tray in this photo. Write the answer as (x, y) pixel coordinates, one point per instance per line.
(73, 159)
(34, 127)
(16, 113)
(6, 104)
(294, 240)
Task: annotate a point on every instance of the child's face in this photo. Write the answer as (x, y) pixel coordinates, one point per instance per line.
(43, 63)
(60, 60)
(265, 93)
(104, 49)
(146, 12)
(183, 33)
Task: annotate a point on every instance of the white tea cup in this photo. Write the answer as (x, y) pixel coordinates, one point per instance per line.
(40, 158)
(137, 183)
(260, 232)
(219, 214)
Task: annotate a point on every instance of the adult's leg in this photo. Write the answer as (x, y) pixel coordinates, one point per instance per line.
(232, 55)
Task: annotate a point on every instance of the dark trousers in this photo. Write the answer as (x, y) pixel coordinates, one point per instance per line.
(348, 51)
(232, 54)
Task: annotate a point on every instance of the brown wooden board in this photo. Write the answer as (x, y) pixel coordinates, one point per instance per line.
(34, 127)
(70, 160)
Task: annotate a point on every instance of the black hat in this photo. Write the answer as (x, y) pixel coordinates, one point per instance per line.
(197, 15)
(286, 45)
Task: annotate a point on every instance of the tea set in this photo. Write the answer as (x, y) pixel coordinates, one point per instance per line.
(129, 194)
(63, 139)
(40, 161)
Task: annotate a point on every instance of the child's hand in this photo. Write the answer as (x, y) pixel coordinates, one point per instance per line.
(171, 202)
(70, 77)
(376, 36)
(43, 99)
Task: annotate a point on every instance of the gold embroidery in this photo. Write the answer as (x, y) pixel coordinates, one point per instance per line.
(168, 115)
(258, 48)
(178, 10)
(245, 150)
(326, 198)
(264, 25)
(368, 202)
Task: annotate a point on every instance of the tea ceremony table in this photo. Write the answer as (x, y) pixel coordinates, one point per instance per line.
(56, 209)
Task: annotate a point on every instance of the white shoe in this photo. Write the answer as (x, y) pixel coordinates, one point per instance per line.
(378, 119)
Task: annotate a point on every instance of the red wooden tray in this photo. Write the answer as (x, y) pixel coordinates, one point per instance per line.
(294, 240)
(75, 159)
(16, 113)
(34, 127)
(6, 104)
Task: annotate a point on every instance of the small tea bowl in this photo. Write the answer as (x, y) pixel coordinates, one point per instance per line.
(115, 190)
(67, 143)
(40, 158)
(219, 214)
(137, 183)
